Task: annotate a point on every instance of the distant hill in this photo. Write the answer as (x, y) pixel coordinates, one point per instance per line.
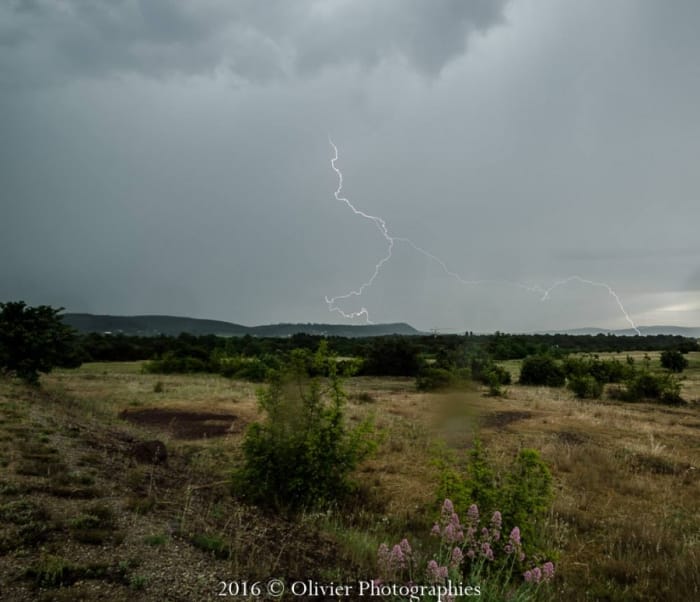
(173, 326)
(683, 331)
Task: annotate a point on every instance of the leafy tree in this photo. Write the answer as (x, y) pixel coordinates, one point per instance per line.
(673, 360)
(34, 340)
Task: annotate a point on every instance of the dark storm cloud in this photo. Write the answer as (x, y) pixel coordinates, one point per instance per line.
(257, 41)
(172, 157)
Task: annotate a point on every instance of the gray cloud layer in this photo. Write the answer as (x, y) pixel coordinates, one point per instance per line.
(172, 157)
(254, 40)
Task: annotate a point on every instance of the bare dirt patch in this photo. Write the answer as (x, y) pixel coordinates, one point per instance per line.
(184, 424)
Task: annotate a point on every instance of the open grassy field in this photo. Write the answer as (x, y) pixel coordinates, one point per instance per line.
(78, 510)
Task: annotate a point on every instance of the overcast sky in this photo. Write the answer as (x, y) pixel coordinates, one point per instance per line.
(172, 157)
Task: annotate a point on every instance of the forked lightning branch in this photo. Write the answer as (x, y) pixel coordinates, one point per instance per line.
(381, 225)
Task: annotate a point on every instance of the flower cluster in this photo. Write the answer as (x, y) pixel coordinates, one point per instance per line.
(539, 574)
(392, 562)
(465, 549)
(449, 529)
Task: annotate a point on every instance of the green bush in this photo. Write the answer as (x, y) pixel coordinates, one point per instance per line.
(523, 493)
(673, 360)
(542, 370)
(585, 387)
(603, 371)
(430, 379)
(485, 371)
(527, 495)
(645, 385)
(302, 454)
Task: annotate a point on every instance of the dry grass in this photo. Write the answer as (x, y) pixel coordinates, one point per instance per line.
(627, 485)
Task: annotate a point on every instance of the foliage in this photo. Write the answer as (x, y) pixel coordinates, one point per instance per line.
(542, 370)
(645, 385)
(523, 492)
(527, 494)
(172, 364)
(34, 340)
(392, 356)
(303, 453)
(585, 387)
(430, 378)
(474, 554)
(484, 370)
(673, 360)
(603, 371)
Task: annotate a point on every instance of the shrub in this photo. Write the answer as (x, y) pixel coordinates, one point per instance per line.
(585, 387)
(430, 378)
(673, 360)
(603, 371)
(647, 386)
(484, 370)
(542, 370)
(302, 454)
(527, 495)
(523, 493)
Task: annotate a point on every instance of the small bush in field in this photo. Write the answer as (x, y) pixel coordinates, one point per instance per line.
(673, 360)
(585, 387)
(431, 379)
(644, 385)
(303, 452)
(542, 370)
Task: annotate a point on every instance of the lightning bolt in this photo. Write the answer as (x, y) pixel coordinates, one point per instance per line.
(381, 225)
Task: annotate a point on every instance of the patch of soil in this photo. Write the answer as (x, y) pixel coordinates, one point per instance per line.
(502, 419)
(184, 424)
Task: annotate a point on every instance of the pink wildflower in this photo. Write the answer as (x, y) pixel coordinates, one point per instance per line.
(405, 547)
(397, 559)
(515, 536)
(436, 573)
(486, 550)
(473, 513)
(527, 575)
(448, 507)
(471, 554)
(548, 570)
(436, 530)
(457, 558)
(452, 532)
(537, 574)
